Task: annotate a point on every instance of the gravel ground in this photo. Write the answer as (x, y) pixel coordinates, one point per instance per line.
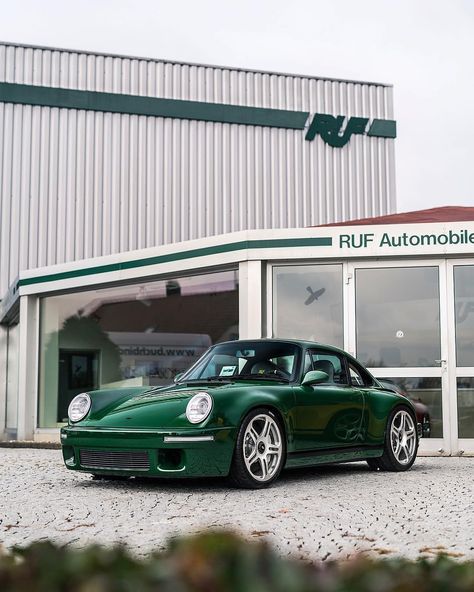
(320, 513)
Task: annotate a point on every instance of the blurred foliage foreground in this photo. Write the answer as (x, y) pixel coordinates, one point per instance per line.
(218, 562)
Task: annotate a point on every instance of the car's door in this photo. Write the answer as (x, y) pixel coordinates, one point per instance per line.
(374, 418)
(328, 415)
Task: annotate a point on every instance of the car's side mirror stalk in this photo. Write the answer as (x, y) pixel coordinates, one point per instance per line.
(314, 377)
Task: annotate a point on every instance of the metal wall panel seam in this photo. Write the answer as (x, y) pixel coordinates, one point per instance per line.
(175, 182)
(184, 200)
(102, 216)
(3, 196)
(192, 177)
(88, 185)
(31, 238)
(217, 197)
(52, 211)
(6, 193)
(3, 62)
(141, 187)
(61, 186)
(150, 182)
(131, 213)
(80, 204)
(24, 201)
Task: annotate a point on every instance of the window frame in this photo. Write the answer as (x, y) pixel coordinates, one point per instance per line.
(368, 379)
(342, 357)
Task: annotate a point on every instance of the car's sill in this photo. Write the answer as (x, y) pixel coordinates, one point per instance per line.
(188, 439)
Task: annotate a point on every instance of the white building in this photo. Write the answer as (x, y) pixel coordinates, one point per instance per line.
(149, 209)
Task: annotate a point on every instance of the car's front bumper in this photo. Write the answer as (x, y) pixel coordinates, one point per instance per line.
(147, 452)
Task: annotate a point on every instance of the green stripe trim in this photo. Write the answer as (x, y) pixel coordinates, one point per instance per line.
(203, 252)
(47, 96)
(383, 128)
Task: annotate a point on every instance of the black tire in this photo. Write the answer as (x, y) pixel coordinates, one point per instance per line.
(388, 461)
(374, 464)
(240, 475)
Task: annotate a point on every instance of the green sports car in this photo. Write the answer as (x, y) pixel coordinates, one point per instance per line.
(246, 410)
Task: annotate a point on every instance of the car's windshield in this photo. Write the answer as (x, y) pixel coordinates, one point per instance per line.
(272, 360)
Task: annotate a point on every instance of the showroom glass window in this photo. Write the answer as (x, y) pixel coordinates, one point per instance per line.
(307, 303)
(465, 388)
(397, 317)
(464, 315)
(141, 334)
(464, 307)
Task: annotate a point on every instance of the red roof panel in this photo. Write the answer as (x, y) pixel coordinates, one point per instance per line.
(441, 214)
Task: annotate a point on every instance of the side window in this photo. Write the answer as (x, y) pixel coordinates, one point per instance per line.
(359, 377)
(332, 364)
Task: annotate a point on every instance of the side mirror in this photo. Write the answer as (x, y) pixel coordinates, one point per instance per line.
(178, 376)
(315, 377)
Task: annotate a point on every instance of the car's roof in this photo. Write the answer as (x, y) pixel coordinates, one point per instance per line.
(302, 342)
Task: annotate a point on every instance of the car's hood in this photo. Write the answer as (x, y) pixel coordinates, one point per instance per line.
(163, 407)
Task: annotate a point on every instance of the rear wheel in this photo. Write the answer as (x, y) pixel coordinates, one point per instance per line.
(401, 442)
(259, 452)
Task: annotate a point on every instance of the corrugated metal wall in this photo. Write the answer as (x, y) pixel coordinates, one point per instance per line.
(78, 184)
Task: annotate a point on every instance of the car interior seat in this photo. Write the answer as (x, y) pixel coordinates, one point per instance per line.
(325, 366)
(263, 367)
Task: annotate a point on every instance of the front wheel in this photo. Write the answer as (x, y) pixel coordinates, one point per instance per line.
(401, 442)
(259, 452)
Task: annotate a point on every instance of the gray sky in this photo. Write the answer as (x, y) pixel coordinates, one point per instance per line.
(425, 48)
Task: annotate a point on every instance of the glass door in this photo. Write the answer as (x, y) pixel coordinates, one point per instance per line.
(398, 329)
(461, 354)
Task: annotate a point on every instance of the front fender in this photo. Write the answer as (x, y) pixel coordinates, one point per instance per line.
(230, 410)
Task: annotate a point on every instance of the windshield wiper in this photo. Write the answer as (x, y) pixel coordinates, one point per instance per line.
(260, 376)
(230, 379)
(207, 379)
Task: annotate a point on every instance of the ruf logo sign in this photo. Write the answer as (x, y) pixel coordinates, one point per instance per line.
(332, 131)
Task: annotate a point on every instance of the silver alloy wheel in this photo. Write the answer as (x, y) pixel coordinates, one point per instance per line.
(403, 437)
(262, 447)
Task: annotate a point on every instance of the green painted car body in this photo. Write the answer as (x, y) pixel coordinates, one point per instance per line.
(145, 431)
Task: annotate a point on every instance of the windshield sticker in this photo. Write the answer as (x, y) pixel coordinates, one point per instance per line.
(227, 371)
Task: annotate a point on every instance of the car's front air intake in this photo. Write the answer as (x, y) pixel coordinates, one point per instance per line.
(133, 460)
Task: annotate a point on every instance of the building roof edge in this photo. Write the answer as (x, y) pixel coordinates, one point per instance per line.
(196, 64)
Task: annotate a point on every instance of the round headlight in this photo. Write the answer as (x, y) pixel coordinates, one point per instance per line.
(79, 407)
(199, 407)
